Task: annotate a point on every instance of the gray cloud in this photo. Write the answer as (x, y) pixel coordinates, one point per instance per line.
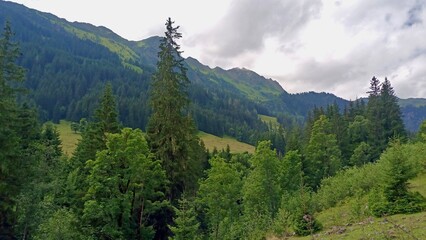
(249, 22)
(398, 52)
(393, 46)
(414, 15)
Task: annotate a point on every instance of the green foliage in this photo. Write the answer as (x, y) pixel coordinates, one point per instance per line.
(262, 189)
(393, 194)
(15, 142)
(219, 195)
(171, 131)
(322, 153)
(384, 116)
(63, 224)
(292, 172)
(422, 132)
(186, 224)
(40, 194)
(94, 135)
(361, 155)
(125, 187)
(346, 183)
(298, 208)
(75, 127)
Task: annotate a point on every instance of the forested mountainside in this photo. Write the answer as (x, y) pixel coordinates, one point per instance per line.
(68, 63)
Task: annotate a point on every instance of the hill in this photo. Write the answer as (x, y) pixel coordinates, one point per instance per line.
(68, 63)
(211, 142)
(339, 223)
(70, 139)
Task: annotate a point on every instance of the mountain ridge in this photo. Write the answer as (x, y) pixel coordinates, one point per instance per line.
(68, 61)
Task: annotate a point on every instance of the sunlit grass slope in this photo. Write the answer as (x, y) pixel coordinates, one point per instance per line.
(212, 141)
(69, 138)
(269, 120)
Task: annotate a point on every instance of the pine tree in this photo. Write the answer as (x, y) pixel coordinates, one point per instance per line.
(11, 160)
(186, 224)
(394, 196)
(392, 122)
(384, 116)
(94, 135)
(339, 127)
(93, 140)
(171, 131)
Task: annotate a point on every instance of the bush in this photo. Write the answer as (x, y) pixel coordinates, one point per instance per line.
(392, 196)
(347, 183)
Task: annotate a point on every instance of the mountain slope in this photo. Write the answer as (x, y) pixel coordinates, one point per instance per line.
(69, 63)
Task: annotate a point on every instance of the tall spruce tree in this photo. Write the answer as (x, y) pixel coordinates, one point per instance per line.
(384, 115)
(373, 115)
(11, 157)
(171, 131)
(186, 223)
(392, 117)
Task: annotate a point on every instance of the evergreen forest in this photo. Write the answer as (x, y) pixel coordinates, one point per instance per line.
(140, 169)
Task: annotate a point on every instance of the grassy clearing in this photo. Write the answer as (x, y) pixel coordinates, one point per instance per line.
(269, 120)
(212, 141)
(418, 184)
(68, 138)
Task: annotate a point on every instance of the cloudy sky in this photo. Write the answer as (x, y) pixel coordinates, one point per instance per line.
(306, 45)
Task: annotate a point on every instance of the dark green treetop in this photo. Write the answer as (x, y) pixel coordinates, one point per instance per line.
(171, 131)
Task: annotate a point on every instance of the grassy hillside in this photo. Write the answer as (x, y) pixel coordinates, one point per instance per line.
(212, 141)
(69, 138)
(340, 222)
(394, 227)
(269, 120)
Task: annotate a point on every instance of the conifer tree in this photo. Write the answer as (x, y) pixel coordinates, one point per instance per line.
(392, 117)
(375, 129)
(94, 135)
(11, 159)
(186, 224)
(171, 131)
(384, 116)
(93, 140)
(393, 196)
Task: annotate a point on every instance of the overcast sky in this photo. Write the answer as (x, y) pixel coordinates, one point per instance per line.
(306, 45)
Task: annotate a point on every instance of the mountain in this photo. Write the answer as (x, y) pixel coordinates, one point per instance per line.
(68, 64)
(414, 112)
